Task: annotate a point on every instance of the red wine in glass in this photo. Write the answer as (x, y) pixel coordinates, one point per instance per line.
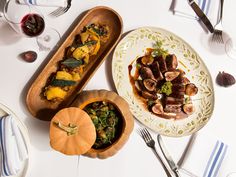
(32, 25)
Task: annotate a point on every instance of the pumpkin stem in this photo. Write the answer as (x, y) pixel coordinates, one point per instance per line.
(71, 129)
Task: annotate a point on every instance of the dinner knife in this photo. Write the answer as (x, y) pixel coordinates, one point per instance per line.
(187, 149)
(201, 15)
(168, 157)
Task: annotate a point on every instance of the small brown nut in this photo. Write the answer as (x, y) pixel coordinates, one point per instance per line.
(191, 89)
(29, 56)
(225, 79)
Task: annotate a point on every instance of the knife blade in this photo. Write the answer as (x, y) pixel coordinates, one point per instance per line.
(170, 161)
(187, 149)
(201, 15)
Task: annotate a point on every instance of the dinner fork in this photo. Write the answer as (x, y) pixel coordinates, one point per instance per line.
(61, 10)
(151, 143)
(217, 34)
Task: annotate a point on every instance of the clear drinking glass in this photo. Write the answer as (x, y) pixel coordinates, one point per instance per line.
(24, 19)
(229, 16)
(28, 21)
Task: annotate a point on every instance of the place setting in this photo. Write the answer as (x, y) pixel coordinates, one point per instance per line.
(164, 90)
(15, 144)
(30, 22)
(215, 16)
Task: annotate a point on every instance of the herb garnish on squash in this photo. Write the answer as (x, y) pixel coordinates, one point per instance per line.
(75, 61)
(72, 62)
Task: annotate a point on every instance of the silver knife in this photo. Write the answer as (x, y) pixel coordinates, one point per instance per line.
(201, 15)
(167, 156)
(187, 150)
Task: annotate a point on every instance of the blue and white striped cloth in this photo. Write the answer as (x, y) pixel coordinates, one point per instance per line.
(215, 160)
(49, 3)
(206, 157)
(13, 149)
(209, 7)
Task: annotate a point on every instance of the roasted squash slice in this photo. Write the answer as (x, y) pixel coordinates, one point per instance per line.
(92, 40)
(54, 93)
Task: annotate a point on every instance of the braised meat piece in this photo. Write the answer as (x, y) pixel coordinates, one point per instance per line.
(172, 100)
(139, 85)
(146, 73)
(156, 71)
(178, 88)
(171, 62)
(179, 95)
(162, 64)
(180, 79)
(173, 108)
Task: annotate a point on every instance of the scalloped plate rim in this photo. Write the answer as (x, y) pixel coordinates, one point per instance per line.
(115, 61)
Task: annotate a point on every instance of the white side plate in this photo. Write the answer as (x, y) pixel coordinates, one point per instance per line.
(6, 111)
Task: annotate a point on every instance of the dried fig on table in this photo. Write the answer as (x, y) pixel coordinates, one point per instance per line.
(225, 79)
(29, 56)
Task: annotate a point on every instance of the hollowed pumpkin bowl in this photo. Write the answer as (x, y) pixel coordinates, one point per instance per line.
(126, 123)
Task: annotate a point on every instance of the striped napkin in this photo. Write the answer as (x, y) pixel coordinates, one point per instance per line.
(205, 156)
(13, 149)
(52, 3)
(209, 7)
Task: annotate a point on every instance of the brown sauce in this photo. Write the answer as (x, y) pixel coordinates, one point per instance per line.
(165, 115)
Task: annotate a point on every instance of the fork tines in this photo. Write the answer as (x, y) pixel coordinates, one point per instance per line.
(145, 134)
(61, 10)
(57, 12)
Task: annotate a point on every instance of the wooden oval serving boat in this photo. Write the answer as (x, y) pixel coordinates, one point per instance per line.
(39, 106)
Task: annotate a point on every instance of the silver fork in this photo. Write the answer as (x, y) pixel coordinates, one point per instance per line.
(61, 10)
(151, 143)
(217, 34)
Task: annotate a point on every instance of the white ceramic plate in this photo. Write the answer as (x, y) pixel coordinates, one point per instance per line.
(6, 111)
(134, 45)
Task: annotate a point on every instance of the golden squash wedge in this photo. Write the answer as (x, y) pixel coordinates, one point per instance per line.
(54, 92)
(87, 37)
(72, 131)
(63, 75)
(127, 122)
(81, 52)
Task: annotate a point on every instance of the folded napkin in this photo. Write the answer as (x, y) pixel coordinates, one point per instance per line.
(205, 156)
(53, 3)
(209, 7)
(12, 147)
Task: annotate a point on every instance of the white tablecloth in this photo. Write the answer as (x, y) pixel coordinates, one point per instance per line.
(134, 159)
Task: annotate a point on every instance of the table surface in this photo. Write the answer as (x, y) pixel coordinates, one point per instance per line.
(134, 159)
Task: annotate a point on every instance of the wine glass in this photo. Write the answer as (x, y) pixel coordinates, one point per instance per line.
(28, 21)
(229, 15)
